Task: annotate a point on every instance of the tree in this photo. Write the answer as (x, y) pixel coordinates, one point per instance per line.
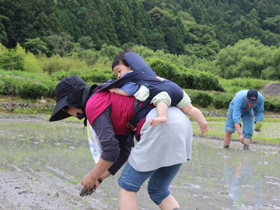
(138, 34)
(109, 51)
(3, 34)
(247, 57)
(86, 42)
(272, 72)
(36, 46)
(11, 60)
(157, 41)
(174, 41)
(69, 23)
(196, 12)
(61, 43)
(41, 25)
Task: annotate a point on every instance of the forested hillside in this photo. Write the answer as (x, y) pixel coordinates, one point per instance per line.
(231, 39)
(197, 27)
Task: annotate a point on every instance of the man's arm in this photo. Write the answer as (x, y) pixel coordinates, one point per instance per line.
(237, 109)
(258, 110)
(237, 115)
(238, 130)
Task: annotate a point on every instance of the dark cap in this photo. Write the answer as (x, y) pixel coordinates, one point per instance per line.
(252, 96)
(68, 93)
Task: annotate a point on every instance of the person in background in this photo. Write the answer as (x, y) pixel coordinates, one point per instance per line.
(246, 104)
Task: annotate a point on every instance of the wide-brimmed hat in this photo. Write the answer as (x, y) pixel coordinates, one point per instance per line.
(252, 96)
(69, 92)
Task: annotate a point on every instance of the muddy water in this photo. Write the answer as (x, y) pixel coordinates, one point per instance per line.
(41, 166)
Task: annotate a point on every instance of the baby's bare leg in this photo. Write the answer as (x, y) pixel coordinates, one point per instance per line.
(196, 114)
(162, 109)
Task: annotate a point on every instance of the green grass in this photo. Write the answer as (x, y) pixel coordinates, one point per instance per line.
(41, 77)
(269, 134)
(223, 119)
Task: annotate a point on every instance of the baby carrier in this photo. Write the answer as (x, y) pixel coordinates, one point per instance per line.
(143, 75)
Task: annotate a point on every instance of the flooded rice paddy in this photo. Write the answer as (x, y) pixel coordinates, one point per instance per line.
(42, 163)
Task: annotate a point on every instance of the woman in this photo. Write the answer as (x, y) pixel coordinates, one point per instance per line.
(158, 155)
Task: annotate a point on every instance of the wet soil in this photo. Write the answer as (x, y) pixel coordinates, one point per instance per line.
(42, 163)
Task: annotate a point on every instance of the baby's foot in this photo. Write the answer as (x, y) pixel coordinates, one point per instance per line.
(158, 120)
(204, 127)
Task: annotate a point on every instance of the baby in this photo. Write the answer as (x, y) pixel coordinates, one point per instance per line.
(162, 100)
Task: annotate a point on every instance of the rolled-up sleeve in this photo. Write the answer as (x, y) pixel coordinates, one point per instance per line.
(258, 111)
(237, 110)
(130, 87)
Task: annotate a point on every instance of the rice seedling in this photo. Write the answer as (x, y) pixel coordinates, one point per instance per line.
(3, 168)
(220, 207)
(240, 201)
(185, 199)
(203, 174)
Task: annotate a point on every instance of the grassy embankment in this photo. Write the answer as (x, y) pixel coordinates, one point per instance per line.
(270, 126)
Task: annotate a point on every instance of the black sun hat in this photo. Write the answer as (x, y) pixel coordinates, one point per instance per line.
(70, 91)
(252, 96)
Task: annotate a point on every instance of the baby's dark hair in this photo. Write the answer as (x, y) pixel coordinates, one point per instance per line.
(118, 58)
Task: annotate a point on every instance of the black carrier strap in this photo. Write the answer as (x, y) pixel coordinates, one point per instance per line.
(132, 124)
(140, 114)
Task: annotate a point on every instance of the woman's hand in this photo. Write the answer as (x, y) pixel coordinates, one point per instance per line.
(86, 191)
(88, 181)
(90, 185)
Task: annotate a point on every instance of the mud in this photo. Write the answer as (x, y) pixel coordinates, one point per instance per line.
(42, 163)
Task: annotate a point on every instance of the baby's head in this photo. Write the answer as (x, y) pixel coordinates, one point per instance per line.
(120, 66)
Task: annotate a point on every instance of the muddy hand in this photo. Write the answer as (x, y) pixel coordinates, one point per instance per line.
(86, 191)
(241, 139)
(257, 130)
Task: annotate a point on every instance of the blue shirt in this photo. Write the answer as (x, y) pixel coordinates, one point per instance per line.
(240, 107)
(130, 87)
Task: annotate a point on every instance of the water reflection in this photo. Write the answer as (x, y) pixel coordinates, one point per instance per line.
(244, 189)
(47, 159)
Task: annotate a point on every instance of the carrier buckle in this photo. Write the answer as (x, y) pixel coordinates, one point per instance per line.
(131, 127)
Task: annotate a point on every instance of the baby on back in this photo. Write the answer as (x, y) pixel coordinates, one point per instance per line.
(166, 91)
